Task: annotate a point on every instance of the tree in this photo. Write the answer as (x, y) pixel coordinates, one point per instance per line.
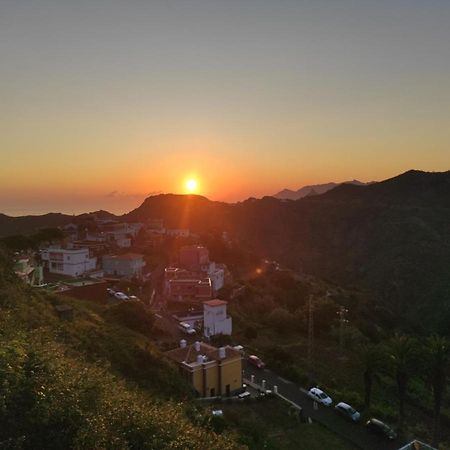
(438, 351)
(280, 320)
(403, 352)
(373, 361)
(251, 333)
(349, 334)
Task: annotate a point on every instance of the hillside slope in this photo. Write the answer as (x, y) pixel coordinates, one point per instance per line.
(391, 237)
(87, 383)
(28, 224)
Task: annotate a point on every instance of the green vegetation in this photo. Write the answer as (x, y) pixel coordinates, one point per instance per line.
(21, 242)
(133, 315)
(438, 350)
(384, 373)
(88, 382)
(271, 425)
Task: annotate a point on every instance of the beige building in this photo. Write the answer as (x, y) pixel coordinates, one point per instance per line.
(212, 371)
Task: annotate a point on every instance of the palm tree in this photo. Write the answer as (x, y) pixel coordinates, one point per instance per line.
(403, 351)
(438, 351)
(372, 360)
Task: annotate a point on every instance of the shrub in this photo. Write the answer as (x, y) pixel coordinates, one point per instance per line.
(133, 315)
(251, 332)
(281, 320)
(384, 412)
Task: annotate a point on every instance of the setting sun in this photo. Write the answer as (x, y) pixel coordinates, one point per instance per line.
(191, 185)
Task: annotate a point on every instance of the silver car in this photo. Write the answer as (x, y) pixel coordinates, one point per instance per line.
(348, 412)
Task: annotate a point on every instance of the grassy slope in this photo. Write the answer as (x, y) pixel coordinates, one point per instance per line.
(87, 383)
(268, 425)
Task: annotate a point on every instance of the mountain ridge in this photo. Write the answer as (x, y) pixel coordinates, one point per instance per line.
(314, 189)
(391, 238)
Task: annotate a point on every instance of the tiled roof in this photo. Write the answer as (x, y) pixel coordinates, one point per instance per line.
(215, 302)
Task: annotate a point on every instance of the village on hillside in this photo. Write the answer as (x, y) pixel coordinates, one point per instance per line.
(172, 276)
(167, 270)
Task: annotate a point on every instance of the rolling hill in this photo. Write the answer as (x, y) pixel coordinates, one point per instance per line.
(28, 224)
(315, 189)
(391, 238)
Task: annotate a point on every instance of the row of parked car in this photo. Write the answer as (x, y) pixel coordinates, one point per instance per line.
(344, 409)
(350, 413)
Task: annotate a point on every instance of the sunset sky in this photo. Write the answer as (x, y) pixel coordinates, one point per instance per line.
(104, 102)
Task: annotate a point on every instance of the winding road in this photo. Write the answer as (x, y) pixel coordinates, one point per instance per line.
(357, 434)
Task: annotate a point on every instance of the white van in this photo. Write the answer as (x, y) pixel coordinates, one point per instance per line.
(186, 328)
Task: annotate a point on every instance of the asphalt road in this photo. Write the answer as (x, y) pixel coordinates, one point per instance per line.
(355, 433)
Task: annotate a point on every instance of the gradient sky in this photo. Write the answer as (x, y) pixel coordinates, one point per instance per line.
(106, 101)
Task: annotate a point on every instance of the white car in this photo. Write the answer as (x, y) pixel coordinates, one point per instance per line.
(121, 296)
(186, 328)
(319, 396)
(347, 411)
(244, 395)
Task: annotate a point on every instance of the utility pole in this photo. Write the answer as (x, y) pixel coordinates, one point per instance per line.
(310, 337)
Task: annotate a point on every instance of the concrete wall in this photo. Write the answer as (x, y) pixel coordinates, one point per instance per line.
(211, 378)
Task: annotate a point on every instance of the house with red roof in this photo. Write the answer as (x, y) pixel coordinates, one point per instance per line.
(215, 318)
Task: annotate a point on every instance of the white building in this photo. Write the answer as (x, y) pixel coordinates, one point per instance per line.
(118, 238)
(129, 265)
(215, 319)
(71, 262)
(216, 273)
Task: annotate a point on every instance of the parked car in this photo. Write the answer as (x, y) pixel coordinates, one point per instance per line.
(186, 328)
(255, 361)
(244, 395)
(121, 296)
(319, 396)
(348, 412)
(379, 427)
(110, 291)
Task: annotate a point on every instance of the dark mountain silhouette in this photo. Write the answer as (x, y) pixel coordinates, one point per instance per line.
(391, 238)
(29, 224)
(288, 194)
(100, 214)
(181, 211)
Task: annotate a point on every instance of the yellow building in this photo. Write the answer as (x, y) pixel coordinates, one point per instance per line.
(212, 371)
